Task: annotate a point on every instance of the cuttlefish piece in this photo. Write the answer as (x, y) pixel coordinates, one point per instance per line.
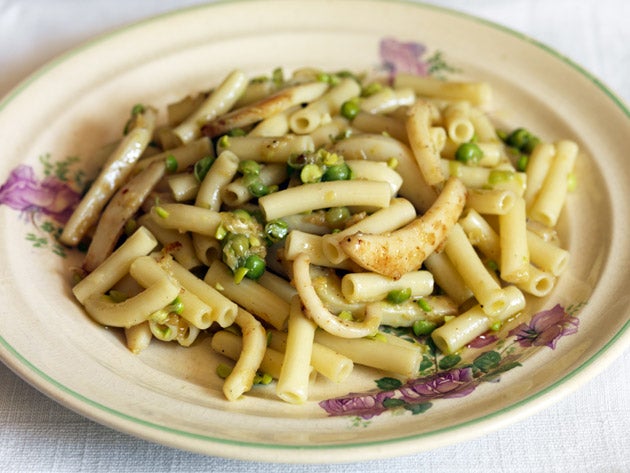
(401, 251)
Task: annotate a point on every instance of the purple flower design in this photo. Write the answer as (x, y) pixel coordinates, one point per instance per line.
(399, 56)
(546, 328)
(22, 191)
(448, 384)
(483, 340)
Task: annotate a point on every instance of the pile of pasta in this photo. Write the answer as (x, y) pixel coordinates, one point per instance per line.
(297, 220)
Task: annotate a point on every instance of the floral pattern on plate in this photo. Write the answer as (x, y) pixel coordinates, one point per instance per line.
(446, 376)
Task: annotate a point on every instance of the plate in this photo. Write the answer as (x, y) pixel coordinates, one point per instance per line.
(57, 117)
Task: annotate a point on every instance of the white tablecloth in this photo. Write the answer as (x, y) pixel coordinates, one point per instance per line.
(587, 431)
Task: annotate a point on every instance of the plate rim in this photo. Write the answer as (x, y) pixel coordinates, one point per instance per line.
(75, 401)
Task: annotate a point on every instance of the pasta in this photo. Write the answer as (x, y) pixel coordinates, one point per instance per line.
(313, 224)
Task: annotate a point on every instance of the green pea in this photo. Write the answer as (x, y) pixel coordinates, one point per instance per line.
(424, 305)
(338, 172)
(223, 371)
(236, 132)
(171, 164)
(249, 166)
(311, 173)
(521, 162)
(468, 153)
(258, 188)
(522, 139)
(276, 230)
(255, 266)
(531, 144)
(242, 214)
(371, 89)
(337, 215)
(398, 296)
(324, 77)
(350, 109)
(423, 327)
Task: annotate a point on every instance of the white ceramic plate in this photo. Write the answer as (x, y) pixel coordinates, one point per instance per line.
(171, 395)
